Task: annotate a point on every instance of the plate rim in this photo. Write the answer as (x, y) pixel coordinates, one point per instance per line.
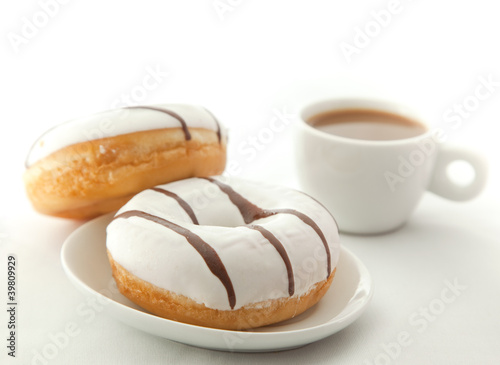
(322, 330)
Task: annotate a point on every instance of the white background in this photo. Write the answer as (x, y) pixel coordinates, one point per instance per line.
(244, 62)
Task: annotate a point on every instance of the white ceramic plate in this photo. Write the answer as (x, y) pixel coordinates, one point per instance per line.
(85, 262)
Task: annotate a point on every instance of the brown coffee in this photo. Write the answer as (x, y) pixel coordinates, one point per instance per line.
(367, 124)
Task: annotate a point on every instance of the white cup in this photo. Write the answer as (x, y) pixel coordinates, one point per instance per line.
(373, 186)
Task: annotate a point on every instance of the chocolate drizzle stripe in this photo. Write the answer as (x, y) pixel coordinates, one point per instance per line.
(184, 205)
(304, 218)
(321, 204)
(216, 122)
(169, 112)
(247, 209)
(282, 252)
(251, 212)
(210, 256)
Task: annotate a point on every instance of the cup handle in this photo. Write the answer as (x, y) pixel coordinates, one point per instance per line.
(442, 185)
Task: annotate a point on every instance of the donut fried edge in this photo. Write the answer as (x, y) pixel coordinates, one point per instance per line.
(91, 178)
(180, 308)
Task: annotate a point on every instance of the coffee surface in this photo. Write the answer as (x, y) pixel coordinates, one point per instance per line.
(366, 124)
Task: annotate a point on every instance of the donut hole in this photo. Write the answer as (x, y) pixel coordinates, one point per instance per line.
(224, 215)
(222, 220)
(212, 207)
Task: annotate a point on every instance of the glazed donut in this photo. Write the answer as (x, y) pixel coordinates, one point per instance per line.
(90, 166)
(231, 255)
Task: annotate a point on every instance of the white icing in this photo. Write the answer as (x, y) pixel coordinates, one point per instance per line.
(116, 122)
(166, 259)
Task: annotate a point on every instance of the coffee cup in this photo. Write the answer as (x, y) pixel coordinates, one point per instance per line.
(369, 162)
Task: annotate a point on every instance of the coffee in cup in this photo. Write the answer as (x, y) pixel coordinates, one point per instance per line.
(366, 124)
(369, 162)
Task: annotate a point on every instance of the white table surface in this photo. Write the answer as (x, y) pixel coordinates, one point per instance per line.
(257, 59)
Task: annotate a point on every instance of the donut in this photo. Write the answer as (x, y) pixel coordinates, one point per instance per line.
(223, 252)
(90, 166)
